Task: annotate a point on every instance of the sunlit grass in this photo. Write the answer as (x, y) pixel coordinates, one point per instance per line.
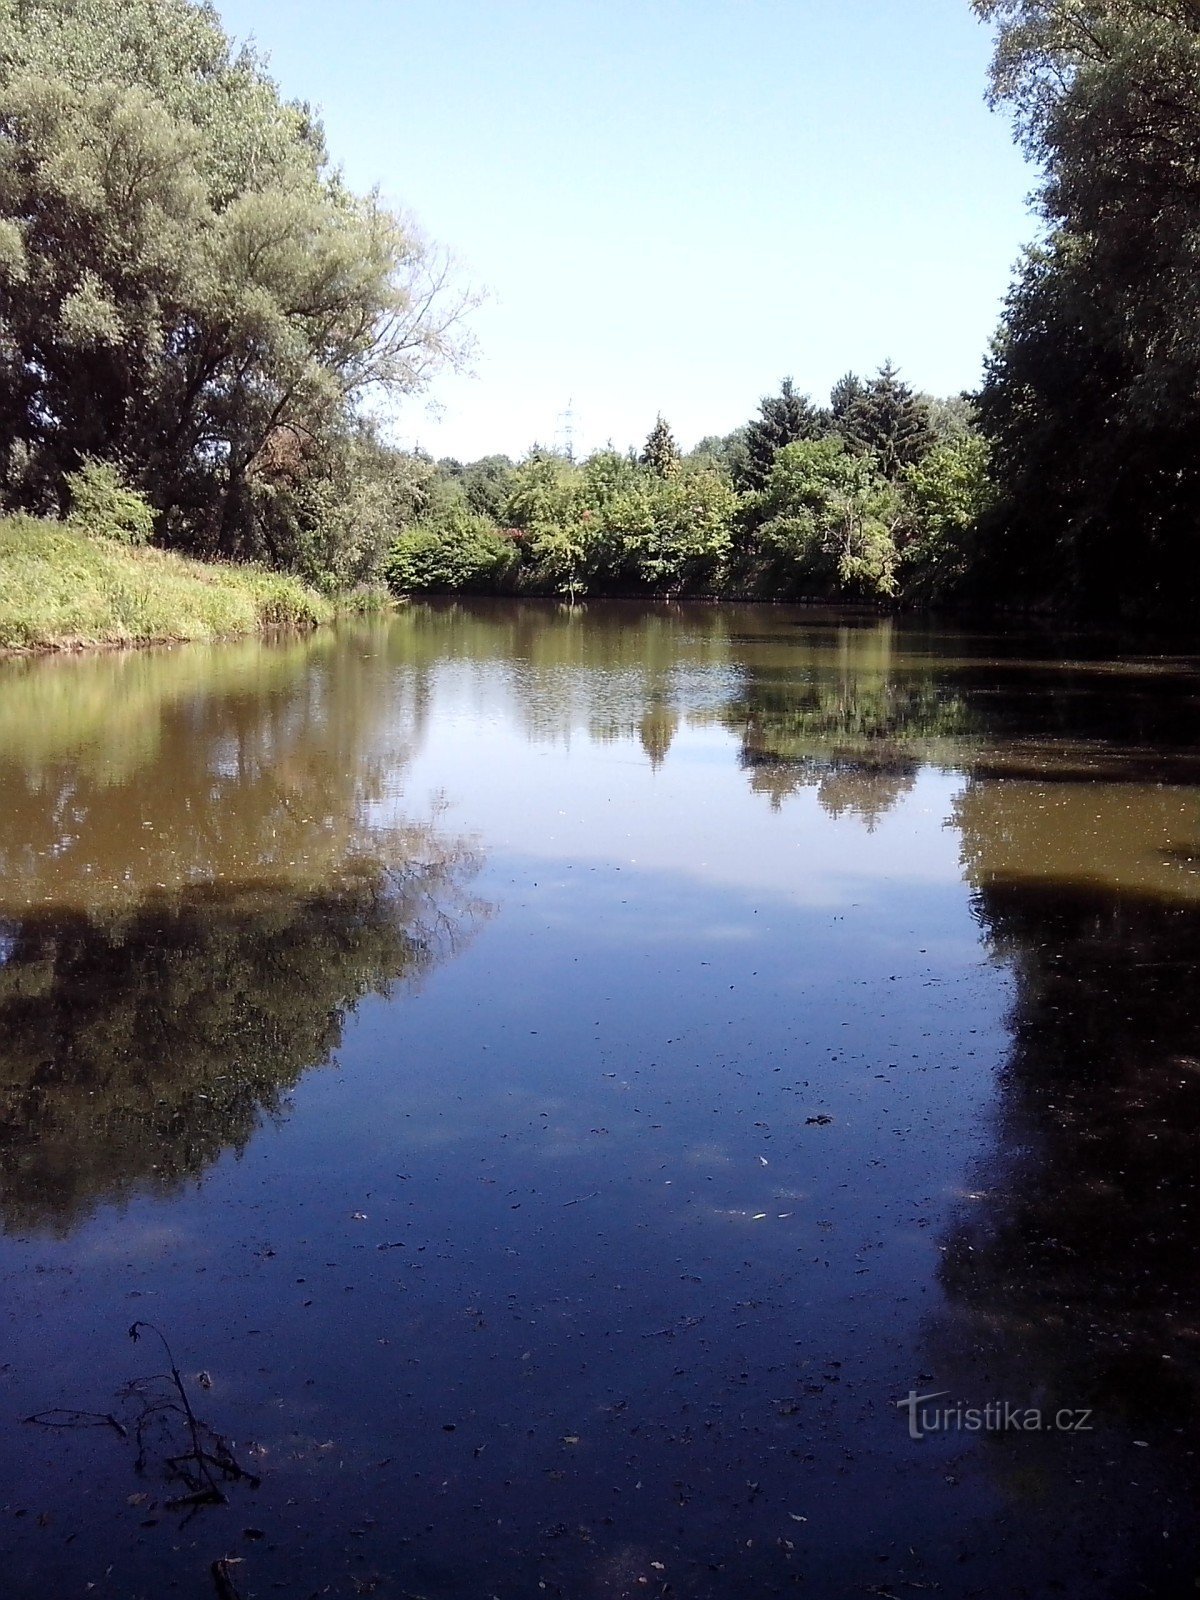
(60, 588)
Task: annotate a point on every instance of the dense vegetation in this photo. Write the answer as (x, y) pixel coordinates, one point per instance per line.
(1092, 394)
(193, 296)
(876, 496)
(198, 314)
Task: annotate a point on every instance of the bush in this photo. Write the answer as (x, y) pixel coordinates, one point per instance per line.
(828, 522)
(463, 553)
(612, 524)
(946, 494)
(688, 539)
(102, 503)
(561, 558)
(330, 512)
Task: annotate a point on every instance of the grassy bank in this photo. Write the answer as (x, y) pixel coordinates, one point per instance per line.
(64, 589)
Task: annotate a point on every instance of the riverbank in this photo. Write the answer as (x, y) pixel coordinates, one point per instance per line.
(64, 589)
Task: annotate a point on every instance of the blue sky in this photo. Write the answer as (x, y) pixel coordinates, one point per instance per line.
(673, 203)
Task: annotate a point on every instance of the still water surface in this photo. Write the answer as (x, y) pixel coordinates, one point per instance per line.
(557, 1078)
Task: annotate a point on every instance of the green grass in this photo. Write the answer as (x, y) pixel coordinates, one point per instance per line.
(64, 589)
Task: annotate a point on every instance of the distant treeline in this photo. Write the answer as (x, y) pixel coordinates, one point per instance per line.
(874, 497)
(199, 321)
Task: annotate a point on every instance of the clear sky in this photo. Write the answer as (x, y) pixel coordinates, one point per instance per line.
(673, 203)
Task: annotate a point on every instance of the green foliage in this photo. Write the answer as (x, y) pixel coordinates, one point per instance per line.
(847, 392)
(485, 484)
(660, 452)
(465, 551)
(560, 559)
(954, 417)
(101, 504)
(190, 288)
(615, 523)
(828, 521)
(607, 475)
(547, 501)
(721, 453)
(885, 419)
(782, 419)
(1092, 395)
(676, 532)
(946, 496)
(332, 513)
(545, 490)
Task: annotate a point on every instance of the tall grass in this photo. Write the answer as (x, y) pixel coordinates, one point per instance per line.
(62, 588)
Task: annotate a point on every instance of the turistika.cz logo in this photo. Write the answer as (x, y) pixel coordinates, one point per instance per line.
(998, 1416)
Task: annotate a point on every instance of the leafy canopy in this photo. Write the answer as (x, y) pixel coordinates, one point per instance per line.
(190, 290)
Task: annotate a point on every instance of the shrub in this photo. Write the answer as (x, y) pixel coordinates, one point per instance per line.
(102, 503)
(828, 522)
(946, 494)
(463, 553)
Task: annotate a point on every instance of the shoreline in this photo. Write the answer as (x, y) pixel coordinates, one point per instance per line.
(68, 590)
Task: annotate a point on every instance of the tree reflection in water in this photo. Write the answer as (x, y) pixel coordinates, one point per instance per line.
(136, 1047)
(203, 867)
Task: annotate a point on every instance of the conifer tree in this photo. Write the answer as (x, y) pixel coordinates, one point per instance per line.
(844, 396)
(661, 453)
(783, 419)
(887, 420)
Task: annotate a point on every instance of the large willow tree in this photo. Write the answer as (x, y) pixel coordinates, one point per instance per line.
(188, 288)
(1093, 392)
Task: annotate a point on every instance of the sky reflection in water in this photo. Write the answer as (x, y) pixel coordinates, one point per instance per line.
(563, 1076)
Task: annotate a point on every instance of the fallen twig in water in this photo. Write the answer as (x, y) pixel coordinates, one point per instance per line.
(162, 1402)
(209, 1455)
(77, 1419)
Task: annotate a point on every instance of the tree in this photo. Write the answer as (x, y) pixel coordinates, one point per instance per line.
(462, 552)
(844, 396)
(544, 490)
(723, 452)
(660, 452)
(885, 419)
(486, 482)
(946, 496)
(952, 417)
(674, 533)
(1092, 392)
(783, 419)
(191, 292)
(829, 520)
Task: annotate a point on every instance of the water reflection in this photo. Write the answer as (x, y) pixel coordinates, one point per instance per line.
(1081, 1255)
(204, 866)
(835, 1031)
(135, 1048)
(839, 703)
(157, 771)
(1070, 1273)
(1074, 1268)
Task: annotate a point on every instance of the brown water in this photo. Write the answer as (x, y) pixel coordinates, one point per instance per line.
(558, 1078)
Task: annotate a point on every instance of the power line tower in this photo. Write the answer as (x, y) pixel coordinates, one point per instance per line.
(566, 430)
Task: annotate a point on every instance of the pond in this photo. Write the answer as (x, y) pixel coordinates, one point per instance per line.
(560, 1081)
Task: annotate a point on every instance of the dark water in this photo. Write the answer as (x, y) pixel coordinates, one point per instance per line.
(557, 1079)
